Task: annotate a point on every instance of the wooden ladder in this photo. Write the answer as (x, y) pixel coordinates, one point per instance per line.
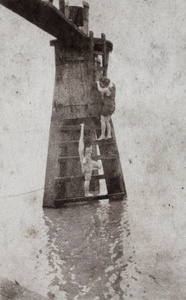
(70, 183)
(104, 53)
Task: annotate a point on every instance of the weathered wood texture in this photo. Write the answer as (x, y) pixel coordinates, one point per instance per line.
(75, 95)
(76, 101)
(62, 6)
(46, 16)
(72, 184)
(69, 183)
(53, 166)
(64, 178)
(65, 9)
(115, 197)
(112, 168)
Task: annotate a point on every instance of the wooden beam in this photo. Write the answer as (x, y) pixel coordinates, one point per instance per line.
(62, 6)
(71, 178)
(115, 197)
(78, 128)
(91, 35)
(105, 61)
(46, 16)
(94, 142)
(99, 157)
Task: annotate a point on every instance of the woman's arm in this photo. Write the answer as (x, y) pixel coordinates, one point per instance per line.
(103, 90)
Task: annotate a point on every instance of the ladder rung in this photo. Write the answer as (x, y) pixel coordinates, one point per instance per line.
(98, 52)
(100, 157)
(69, 142)
(116, 196)
(77, 128)
(71, 178)
(108, 142)
(95, 68)
(78, 121)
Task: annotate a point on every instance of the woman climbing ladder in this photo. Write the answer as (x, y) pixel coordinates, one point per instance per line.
(87, 164)
(108, 91)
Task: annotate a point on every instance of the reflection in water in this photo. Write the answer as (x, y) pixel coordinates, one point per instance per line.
(85, 243)
(56, 264)
(103, 215)
(25, 249)
(75, 252)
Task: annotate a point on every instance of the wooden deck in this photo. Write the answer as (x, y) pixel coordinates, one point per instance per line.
(46, 16)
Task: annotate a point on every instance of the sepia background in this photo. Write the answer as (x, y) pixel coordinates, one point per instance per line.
(148, 66)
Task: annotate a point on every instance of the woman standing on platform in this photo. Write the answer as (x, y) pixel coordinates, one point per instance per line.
(75, 11)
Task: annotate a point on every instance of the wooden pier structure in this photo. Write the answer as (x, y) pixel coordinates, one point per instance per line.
(76, 100)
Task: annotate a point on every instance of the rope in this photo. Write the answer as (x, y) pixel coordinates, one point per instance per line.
(11, 196)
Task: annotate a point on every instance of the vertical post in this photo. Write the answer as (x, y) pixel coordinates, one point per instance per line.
(85, 27)
(62, 6)
(105, 60)
(91, 35)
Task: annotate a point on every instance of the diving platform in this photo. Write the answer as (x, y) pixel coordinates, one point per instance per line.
(80, 60)
(47, 17)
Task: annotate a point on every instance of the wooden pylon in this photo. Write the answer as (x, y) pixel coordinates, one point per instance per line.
(76, 101)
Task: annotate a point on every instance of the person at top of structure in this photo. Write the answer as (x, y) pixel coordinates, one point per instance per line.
(108, 91)
(76, 12)
(87, 164)
(98, 68)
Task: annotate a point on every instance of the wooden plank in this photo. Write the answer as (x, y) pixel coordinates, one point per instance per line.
(77, 127)
(61, 5)
(91, 35)
(99, 157)
(112, 169)
(117, 196)
(86, 120)
(98, 52)
(71, 178)
(98, 43)
(94, 142)
(91, 54)
(103, 37)
(46, 16)
(69, 142)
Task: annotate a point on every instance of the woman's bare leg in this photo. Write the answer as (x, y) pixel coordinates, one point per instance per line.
(108, 126)
(103, 128)
(86, 187)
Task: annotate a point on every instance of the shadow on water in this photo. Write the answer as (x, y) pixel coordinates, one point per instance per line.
(85, 244)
